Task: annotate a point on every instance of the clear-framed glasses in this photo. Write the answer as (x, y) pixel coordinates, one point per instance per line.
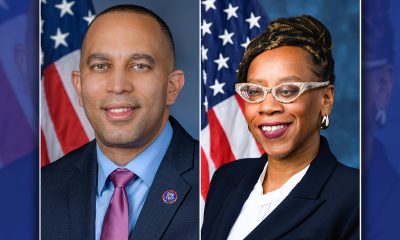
(284, 93)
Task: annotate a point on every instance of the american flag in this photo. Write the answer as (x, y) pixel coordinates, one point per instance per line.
(64, 125)
(227, 26)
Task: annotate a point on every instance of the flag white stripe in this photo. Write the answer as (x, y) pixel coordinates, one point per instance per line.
(65, 66)
(202, 205)
(52, 143)
(234, 124)
(205, 145)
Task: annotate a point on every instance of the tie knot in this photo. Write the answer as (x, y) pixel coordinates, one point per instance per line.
(121, 177)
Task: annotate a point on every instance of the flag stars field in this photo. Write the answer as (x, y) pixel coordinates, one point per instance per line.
(217, 87)
(59, 38)
(65, 7)
(89, 18)
(231, 11)
(245, 44)
(226, 37)
(227, 28)
(222, 62)
(204, 53)
(62, 25)
(205, 103)
(205, 28)
(253, 21)
(209, 4)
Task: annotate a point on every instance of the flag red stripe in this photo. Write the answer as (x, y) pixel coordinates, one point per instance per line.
(241, 104)
(220, 150)
(205, 175)
(67, 125)
(44, 156)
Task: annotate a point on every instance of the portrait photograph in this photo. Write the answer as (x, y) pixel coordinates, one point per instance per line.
(280, 126)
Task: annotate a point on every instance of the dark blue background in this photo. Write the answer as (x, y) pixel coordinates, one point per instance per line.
(19, 172)
(380, 159)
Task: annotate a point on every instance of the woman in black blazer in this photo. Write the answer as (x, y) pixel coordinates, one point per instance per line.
(297, 189)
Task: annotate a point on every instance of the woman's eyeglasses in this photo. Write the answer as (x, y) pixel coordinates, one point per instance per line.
(284, 93)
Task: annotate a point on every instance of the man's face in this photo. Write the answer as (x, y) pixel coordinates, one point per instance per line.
(126, 80)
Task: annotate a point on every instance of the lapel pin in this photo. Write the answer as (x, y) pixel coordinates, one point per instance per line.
(170, 196)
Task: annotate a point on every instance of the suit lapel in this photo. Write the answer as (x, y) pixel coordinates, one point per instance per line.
(286, 216)
(236, 199)
(156, 214)
(82, 195)
(302, 201)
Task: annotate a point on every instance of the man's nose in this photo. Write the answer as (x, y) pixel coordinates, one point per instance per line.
(120, 81)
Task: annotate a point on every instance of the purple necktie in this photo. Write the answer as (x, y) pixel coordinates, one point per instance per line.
(115, 224)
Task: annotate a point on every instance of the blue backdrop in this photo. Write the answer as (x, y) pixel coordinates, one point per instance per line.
(381, 93)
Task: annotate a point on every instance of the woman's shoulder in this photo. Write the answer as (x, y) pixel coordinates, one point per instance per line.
(345, 180)
(347, 173)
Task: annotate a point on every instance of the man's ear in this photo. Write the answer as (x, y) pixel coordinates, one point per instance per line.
(76, 81)
(176, 81)
(328, 97)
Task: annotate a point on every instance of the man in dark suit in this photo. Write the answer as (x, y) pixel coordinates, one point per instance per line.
(126, 84)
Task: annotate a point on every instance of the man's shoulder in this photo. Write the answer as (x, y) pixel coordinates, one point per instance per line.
(182, 142)
(67, 163)
(181, 133)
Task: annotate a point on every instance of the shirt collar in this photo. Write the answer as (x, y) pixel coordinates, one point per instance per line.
(144, 165)
(280, 193)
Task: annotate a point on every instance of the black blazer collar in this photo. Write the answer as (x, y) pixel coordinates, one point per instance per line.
(82, 187)
(236, 199)
(303, 199)
(297, 205)
(156, 215)
(82, 194)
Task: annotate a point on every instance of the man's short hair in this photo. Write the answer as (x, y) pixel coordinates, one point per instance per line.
(131, 8)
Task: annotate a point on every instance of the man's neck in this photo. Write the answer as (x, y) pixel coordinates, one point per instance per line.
(122, 155)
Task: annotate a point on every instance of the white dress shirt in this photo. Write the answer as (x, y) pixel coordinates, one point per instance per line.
(258, 205)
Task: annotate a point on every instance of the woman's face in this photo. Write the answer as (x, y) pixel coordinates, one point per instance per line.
(291, 129)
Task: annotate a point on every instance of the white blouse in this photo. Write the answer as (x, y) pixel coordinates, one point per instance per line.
(258, 205)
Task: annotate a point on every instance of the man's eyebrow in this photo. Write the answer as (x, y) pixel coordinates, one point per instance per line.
(98, 57)
(140, 56)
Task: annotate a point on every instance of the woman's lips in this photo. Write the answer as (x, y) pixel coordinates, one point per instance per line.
(273, 130)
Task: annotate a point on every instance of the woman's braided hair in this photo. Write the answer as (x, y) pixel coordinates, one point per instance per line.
(303, 31)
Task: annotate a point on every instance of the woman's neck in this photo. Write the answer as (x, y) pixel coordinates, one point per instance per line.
(279, 171)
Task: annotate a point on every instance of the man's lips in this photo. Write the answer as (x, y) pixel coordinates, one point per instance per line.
(274, 130)
(119, 111)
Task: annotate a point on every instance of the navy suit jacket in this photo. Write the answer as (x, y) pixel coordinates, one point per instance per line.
(323, 205)
(69, 194)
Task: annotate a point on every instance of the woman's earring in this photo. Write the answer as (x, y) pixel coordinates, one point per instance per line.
(325, 122)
